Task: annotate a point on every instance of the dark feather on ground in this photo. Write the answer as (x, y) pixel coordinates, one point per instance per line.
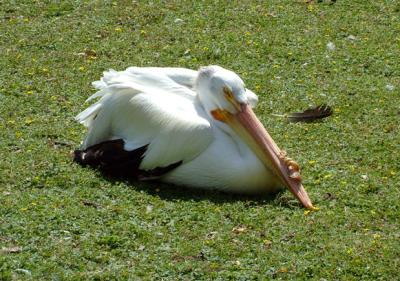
(311, 114)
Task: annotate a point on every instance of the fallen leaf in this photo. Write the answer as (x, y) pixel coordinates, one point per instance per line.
(90, 204)
(329, 196)
(11, 250)
(267, 243)
(211, 235)
(239, 229)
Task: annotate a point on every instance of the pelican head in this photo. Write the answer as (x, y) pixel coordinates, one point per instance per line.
(225, 98)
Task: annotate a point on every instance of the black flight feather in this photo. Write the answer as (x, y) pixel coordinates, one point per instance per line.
(311, 114)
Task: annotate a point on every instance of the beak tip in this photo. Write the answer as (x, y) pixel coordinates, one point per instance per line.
(301, 195)
(310, 207)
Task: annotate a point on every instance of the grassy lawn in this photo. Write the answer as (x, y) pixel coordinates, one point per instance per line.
(59, 221)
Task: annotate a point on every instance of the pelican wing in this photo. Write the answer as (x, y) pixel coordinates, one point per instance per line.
(177, 79)
(145, 107)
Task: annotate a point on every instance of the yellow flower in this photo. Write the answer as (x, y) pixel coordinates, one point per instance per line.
(267, 242)
(82, 68)
(118, 29)
(309, 211)
(284, 270)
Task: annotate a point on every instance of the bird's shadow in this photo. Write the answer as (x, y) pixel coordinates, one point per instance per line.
(172, 192)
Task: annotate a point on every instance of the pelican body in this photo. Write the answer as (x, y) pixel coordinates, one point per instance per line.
(185, 127)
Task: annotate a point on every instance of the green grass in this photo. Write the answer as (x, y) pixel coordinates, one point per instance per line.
(59, 221)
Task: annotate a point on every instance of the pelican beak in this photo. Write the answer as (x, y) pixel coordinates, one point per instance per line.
(246, 124)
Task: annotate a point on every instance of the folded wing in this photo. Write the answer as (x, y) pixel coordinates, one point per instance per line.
(149, 107)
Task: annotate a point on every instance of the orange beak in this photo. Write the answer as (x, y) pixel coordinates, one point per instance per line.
(246, 124)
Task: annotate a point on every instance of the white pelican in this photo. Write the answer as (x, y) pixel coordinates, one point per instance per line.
(186, 127)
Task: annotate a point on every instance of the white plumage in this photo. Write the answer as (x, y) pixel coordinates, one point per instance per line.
(174, 112)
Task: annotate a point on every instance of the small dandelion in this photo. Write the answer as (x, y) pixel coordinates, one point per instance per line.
(351, 38)
(389, 87)
(81, 68)
(118, 29)
(28, 121)
(330, 46)
(149, 209)
(376, 236)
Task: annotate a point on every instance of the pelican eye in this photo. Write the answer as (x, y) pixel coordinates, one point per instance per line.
(228, 93)
(231, 98)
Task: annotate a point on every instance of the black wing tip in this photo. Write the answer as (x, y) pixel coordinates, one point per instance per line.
(77, 156)
(114, 161)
